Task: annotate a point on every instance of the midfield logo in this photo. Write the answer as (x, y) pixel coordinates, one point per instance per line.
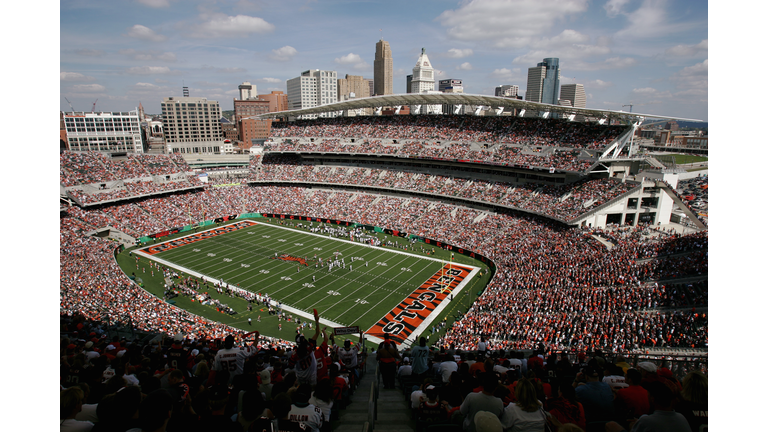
(286, 257)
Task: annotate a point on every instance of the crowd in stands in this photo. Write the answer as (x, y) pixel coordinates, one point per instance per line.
(203, 382)
(249, 382)
(510, 130)
(495, 389)
(563, 202)
(81, 168)
(603, 295)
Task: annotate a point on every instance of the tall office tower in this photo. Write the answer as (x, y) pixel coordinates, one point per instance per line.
(370, 85)
(423, 75)
(574, 93)
(544, 82)
(382, 69)
(191, 119)
(507, 91)
(311, 89)
(247, 91)
(352, 86)
(408, 80)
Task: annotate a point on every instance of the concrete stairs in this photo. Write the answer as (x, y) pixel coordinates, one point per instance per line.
(393, 413)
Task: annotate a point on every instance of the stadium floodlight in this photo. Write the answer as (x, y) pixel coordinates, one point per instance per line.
(417, 108)
(545, 115)
(571, 117)
(499, 110)
(378, 110)
(457, 109)
(602, 121)
(397, 109)
(478, 109)
(522, 112)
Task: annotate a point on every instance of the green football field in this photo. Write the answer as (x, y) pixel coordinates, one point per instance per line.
(379, 289)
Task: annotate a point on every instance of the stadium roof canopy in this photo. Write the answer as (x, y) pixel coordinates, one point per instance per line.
(494, 102)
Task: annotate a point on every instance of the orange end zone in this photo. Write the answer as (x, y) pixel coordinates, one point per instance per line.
(183, 241)
(411, 312)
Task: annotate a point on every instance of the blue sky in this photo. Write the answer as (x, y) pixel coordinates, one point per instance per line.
(650, 53)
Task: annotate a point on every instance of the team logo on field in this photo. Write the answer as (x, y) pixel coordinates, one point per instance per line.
(286, 257)
(403, 320)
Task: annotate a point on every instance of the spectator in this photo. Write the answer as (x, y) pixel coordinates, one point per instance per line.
(482, 401)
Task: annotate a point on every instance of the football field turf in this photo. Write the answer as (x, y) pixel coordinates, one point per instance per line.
(381, 290)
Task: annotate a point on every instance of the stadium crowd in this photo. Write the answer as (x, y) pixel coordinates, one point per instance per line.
(255, 383)
(606, 292)
(514, 130)
(564, 202)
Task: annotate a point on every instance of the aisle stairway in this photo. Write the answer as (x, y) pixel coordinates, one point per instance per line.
(392, 412)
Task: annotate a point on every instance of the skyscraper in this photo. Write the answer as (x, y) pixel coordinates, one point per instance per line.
(574, 93)
(313, 88)
(544, 82)
(423, 75)
(382, 69)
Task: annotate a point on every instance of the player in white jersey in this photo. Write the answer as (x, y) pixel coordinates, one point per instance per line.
(233, 359)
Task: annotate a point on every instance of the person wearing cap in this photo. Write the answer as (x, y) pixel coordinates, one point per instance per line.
(595, 395)
(177, 354)
(405, 368)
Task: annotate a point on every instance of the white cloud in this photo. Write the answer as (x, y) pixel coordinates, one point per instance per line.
(598, 84)
(349, 59)
(693, 77)
(464, 66)
(614, 7)
(88, 88)
(505, 74)
(155, 3)
(507, 23)
(240, 26)
(75, 77)
(645, 90)
(459, 53)
(611, 63)
(149, 55)
(149, 70)
(147, 89)
(283, 54)
(270, 80)
(651, 20)
(141, 32)
(225, 70)
(688, 50)
(353, 60)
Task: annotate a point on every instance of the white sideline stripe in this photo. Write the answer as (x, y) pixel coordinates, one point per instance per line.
(416, 332)
(210, 279)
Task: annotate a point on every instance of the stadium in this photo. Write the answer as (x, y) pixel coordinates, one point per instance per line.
(520, 228)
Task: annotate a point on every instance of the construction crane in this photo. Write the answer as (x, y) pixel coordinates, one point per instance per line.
(94, 106)
(70, 104)
(630, 107)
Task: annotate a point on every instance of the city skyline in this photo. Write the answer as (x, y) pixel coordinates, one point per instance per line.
(650, 53)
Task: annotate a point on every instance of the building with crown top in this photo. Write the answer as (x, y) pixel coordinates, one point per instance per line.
(423, 75)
